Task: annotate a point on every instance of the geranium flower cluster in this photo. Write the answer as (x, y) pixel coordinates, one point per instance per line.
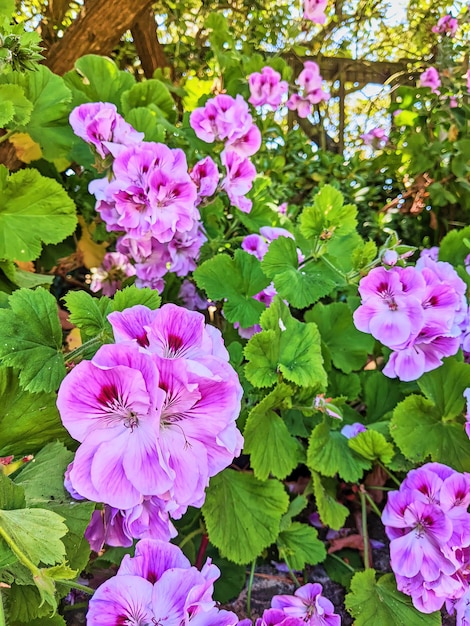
(158, 586)
(267, 88)
(429, 530)
(416, 311)
(430, 78)
(376, 137)
(307, 607)
(150, 197)
(228, 119)
(155, 415)
(109, 276)
(101, 126)
(446, 25)
(311, 90)
(314, 10)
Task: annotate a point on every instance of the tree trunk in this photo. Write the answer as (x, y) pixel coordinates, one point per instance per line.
(97, 30)
(149, 49)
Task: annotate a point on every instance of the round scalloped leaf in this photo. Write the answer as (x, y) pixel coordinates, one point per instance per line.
(33, 210)
(243, 514)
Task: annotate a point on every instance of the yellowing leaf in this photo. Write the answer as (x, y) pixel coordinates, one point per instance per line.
(93, 253)
(27, 149)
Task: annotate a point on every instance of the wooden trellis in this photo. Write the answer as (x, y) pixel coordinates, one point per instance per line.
(357, 73)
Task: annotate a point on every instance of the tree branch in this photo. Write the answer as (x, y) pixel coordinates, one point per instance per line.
(97, 30)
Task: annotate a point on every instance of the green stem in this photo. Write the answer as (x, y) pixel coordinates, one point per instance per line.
(390, 474)
(250, 587)
(74, 607)
(195, 533)
(365, 534)
(291, 572)
(372, 504)
(74, 585)
(22, 558)
(2, 612)
(6, 137)
(334, 268)
(78, 352)
(343, 562)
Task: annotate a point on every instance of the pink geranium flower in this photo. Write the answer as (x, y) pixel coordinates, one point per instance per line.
(158, 586)
(446, 25)
(314, 10)
(99, 124)
(430, 78)
(155, 413)
(267, 88)
(309, 605)
(239, 179)
(108, 277)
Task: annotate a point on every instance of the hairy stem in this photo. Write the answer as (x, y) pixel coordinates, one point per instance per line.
(389, 474)
(78, 352)
(343, 562)
(74, 585)
(2, 612)
(250, 587)
(372, 504)
(22, 558)
(3, 138)
(365, 533)
(291, 572)
(191, 535)
(202, 550)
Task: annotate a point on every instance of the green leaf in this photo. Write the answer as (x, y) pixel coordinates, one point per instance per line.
(98, 79)
(11, 495)
(152, 94)
(27, 420)
(23, 603)
(31, 339)
(419, 431)
(445, 386)
(347, 347)
(26, 528)
(328, 453)
(13, 96)
(236, 280)
(130, 296)
(90, 314)
(332, 513)
(372, 445)
(381, 395)
(300, 286)
(26, 199)
(77, 516)
(237, 524)
(28, 280)
(7, 7)
(296, 506)
(267, 440)
(374, 602)
(43, 480)
(51, 99)
(328, 217)
(8, 111)
(299, 546)
(364, 254)
(146, 121)
(285, 346)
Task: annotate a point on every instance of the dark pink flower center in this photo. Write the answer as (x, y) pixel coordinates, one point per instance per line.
(115, 407)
